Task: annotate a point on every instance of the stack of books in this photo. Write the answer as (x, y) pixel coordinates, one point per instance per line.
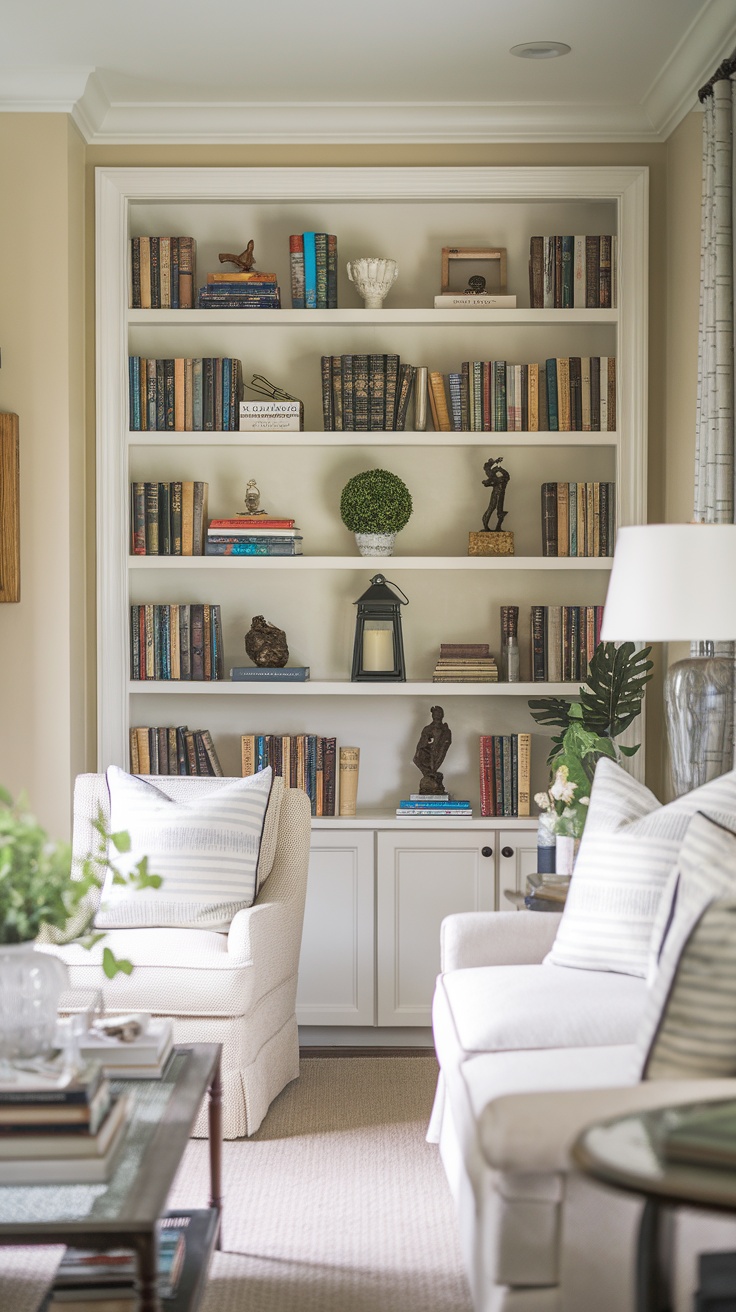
(546, 892)
(90, 1279)
(365, 393)
(142, 1058)
(303, 760)
(253, 535)
(505, 769)
(173, 750)
(61, 1127)
(168, 519)
(423, 806)
(184, 395)
(176, 642)
(240, 291)
(465, 662)
(564, 639)
(562, 394)
(573, 273)
(578, 519)
(161, 273)
(313, 266)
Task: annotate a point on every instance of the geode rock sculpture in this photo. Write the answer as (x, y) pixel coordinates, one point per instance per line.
(266, 645)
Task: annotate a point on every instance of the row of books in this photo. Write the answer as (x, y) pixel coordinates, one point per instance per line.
(161, 273)
(578, 519)
(156, 749)
(563, 641)
(184, 395)
(168, 519)
(573, 273)
(505, 771)
(565, 394)
(465, 662)
(365, 393)
(437, 806)
(240, 291)
(253, 535)
(106, 1281)
(313, 269)
(176, 642)
(303, 760)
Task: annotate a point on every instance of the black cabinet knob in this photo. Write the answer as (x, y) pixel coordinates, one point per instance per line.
(486, 851)
(507, 851)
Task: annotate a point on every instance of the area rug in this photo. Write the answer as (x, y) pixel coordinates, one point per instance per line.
(337, 1204)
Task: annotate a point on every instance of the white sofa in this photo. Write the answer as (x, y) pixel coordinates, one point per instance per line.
(530, 1054)
(237, 989)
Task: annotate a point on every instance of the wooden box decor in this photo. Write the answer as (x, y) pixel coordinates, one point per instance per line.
(490, 543)
(478, 256)
(9, 508)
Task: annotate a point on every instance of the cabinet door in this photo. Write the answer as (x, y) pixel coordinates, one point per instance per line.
(421, 878)
(517, 858)
(336, 966)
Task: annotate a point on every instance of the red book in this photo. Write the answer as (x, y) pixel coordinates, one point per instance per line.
(249, 521)
(485, 775)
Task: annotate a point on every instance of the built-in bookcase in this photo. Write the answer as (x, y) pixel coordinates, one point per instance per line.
(409, 215)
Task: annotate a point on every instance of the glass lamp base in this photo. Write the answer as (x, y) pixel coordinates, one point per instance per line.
(698, 696)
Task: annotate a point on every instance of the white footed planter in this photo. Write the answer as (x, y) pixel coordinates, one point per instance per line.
(374, 278)
(375, 544)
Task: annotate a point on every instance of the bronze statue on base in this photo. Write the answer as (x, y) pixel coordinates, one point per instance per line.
(244, 261)
(266, 645)
(493, 541)
(431, 751)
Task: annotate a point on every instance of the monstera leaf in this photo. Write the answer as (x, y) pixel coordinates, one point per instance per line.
(610, 700)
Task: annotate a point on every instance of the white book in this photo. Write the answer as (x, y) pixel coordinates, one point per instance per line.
(467, 301)
(146, 1050)
(65, 1144)
(65, 1170)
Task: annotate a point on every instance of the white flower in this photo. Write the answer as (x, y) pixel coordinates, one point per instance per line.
(543, 800)
(584, 801)
(562, 789)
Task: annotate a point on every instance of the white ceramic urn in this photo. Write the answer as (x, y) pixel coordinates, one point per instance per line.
(374, 278)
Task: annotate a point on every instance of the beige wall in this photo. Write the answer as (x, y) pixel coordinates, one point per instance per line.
(42, 688)
(46, 273)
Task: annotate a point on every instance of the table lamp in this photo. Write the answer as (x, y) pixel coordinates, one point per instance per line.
(677, 583)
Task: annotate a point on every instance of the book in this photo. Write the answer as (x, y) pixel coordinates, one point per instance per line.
(56, 1087)
(467, 301)
(271, 416)
(287, 674)
(349, 770)
(65, 1142)
(430, 802)
(145, 1050)
(81, 1169)
(296, 267)
(251, 523)
(504, 774)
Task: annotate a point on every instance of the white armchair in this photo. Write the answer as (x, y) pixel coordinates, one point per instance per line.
(237, 989)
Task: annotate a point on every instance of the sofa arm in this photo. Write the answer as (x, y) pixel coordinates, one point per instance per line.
(533, 1132)
(496, 938)
(266, 936)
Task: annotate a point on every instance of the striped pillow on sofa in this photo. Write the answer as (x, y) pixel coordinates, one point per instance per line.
(629, 847)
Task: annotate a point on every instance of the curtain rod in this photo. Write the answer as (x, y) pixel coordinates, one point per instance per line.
(724, 70)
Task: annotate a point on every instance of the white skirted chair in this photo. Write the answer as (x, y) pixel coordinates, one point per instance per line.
(236, 988)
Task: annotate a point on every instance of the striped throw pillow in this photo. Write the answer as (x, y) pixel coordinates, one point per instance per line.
(206, 852)
(689, 1023)
(629, 847)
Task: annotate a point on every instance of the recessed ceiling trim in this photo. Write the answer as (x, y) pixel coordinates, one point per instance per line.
(712, 38)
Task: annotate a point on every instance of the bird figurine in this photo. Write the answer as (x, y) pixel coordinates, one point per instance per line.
(244, 261)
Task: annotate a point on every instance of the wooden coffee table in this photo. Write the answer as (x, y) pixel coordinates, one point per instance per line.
(124, 1212)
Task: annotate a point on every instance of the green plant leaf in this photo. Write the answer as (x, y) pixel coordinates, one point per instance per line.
(551, 711)
(612, 697)
(120, 841)
(375, 501)
(113, 966)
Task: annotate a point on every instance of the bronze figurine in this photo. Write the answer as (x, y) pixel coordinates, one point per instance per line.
(244, 261)
(431, 751)
(497, 478)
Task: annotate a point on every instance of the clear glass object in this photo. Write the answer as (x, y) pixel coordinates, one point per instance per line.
(30, 985)
(698, 694)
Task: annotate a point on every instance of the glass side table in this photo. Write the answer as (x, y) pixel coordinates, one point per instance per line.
(623, 1153)
(124, 1212)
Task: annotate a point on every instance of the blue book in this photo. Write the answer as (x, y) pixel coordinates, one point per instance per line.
(254, 673)
(310, 271)
(429, 804)
(226, 380)
(261, 761)
(551, 367)
(134, 378)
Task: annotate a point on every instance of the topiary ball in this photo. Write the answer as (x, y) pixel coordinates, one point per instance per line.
(376, 501)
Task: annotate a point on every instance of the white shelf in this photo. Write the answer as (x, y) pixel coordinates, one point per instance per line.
(345, 688)
(371, 562)
(387, 820)
(386, 318)
(206, 440)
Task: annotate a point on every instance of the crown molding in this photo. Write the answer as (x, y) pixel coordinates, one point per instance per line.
(674, 93)
(42, 90)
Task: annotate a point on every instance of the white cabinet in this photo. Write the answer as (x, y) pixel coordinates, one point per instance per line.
(516, 852)
(421, 878)
(337, 963)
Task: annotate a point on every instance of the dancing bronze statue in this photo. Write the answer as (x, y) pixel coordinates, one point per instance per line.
(497, 479)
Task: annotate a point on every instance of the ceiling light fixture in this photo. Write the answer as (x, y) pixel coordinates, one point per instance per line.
(540, 50)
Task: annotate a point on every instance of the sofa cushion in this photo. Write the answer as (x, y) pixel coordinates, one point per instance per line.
(705, 869)
(206, 851)
(503, 1008)
(689, 1023)
(629, 846)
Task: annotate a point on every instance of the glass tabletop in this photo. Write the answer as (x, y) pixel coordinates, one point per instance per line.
(159, 1125)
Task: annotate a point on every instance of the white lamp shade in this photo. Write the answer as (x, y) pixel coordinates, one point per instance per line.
(671, 583)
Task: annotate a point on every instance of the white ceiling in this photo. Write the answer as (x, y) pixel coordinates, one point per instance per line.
(389, 70)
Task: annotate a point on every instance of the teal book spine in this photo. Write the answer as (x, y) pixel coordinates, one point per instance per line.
(568, 271)
(551, 367)
(226, 380)
(310, 271)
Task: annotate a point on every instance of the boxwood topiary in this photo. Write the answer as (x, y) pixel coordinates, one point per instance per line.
(376, 501)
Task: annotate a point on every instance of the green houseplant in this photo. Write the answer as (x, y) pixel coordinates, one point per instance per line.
(609, 702)
(375, 506)
(40, 901)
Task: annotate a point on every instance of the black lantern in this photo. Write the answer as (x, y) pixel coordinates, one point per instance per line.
(378, 653)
